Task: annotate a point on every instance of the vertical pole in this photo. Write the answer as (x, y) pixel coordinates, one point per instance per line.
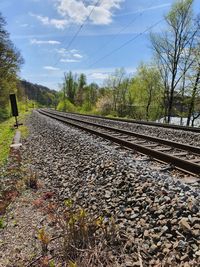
(16, 121)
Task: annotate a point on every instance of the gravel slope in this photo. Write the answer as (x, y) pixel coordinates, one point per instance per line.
(158, 213)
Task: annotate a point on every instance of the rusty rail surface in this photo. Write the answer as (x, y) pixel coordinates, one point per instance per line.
(156, 152)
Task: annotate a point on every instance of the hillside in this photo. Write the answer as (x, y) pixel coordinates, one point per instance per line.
(39, 93)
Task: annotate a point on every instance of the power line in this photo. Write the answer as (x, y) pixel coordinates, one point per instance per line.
(120, 31)
(79, 29)
(116, 35)
(63, 40)
(126, 43)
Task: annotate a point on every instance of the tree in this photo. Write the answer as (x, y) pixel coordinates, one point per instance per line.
(194, 79)
(90, 96)
(81, 85)
(195, 89)
(147, 91)
(117, 83)
(170, 47)
(70, 86)
(10, 62)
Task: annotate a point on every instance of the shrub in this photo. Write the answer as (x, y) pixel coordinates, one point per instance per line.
(66, 106)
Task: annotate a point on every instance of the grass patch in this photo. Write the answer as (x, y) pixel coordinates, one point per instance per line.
(6, 135)
(7, 132)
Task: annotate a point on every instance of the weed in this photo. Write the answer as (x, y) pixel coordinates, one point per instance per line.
(52, 263)
(44, 239)
(44, 261)
(72, 264)
(2, 223)
(47, 195)
(31, 180)
(83, 237)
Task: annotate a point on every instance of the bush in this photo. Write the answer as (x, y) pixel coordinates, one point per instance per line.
(104, 105)
(66, 106)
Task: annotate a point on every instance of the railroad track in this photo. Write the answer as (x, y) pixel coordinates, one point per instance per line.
(180, 156)
(148, 123)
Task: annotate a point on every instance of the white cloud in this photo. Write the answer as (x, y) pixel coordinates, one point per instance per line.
(62, 51)
(50, 68)
(69, 56)
(69, 60)
(73, 9)
(77, 11)
(57, 23)
(39, 42)
(77, 55)
(74, 51)
(99, 75)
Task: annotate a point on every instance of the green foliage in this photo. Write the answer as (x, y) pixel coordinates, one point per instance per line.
(10, 61)
(146, 90)
(43, 237)
(69, 87)
(34, 93)
(104, 105)
(180, 9)
(72, 264)
(4, 113)
(80, 234)
(2, 223)
(80, 89)
(52, 263)
(6, 136)
(66, 105)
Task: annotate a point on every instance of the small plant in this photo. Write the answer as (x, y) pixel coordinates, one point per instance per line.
(82, 236)
(31, 181)
(52, 263)
(38, 203)
(44, 238)
(2, 223)
(72, 264)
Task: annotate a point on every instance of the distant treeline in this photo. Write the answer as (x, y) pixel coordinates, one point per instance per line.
(40, 94)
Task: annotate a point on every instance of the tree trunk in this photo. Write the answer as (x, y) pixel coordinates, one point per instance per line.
(148, 104)
(191, 107)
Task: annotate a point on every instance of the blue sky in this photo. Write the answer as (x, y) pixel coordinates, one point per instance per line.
(43, 29)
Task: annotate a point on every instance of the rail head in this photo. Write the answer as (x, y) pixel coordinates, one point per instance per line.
(148, 123)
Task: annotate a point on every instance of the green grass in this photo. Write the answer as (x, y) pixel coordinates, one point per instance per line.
(7, 132)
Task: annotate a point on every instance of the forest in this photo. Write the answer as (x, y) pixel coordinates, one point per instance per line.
(166, 86)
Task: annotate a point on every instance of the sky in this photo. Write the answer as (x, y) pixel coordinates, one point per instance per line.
(83, 36)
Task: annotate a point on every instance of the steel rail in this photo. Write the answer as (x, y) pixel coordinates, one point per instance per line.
(173, 160)
(173, 144)
(148, 123)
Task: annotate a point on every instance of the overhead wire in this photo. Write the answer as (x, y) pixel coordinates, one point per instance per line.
(120, 31)
(64, 38)
(79, 29)
(126, 43)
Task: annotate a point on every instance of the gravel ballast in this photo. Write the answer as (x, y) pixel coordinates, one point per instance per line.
(185, 137)
(159, 215)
